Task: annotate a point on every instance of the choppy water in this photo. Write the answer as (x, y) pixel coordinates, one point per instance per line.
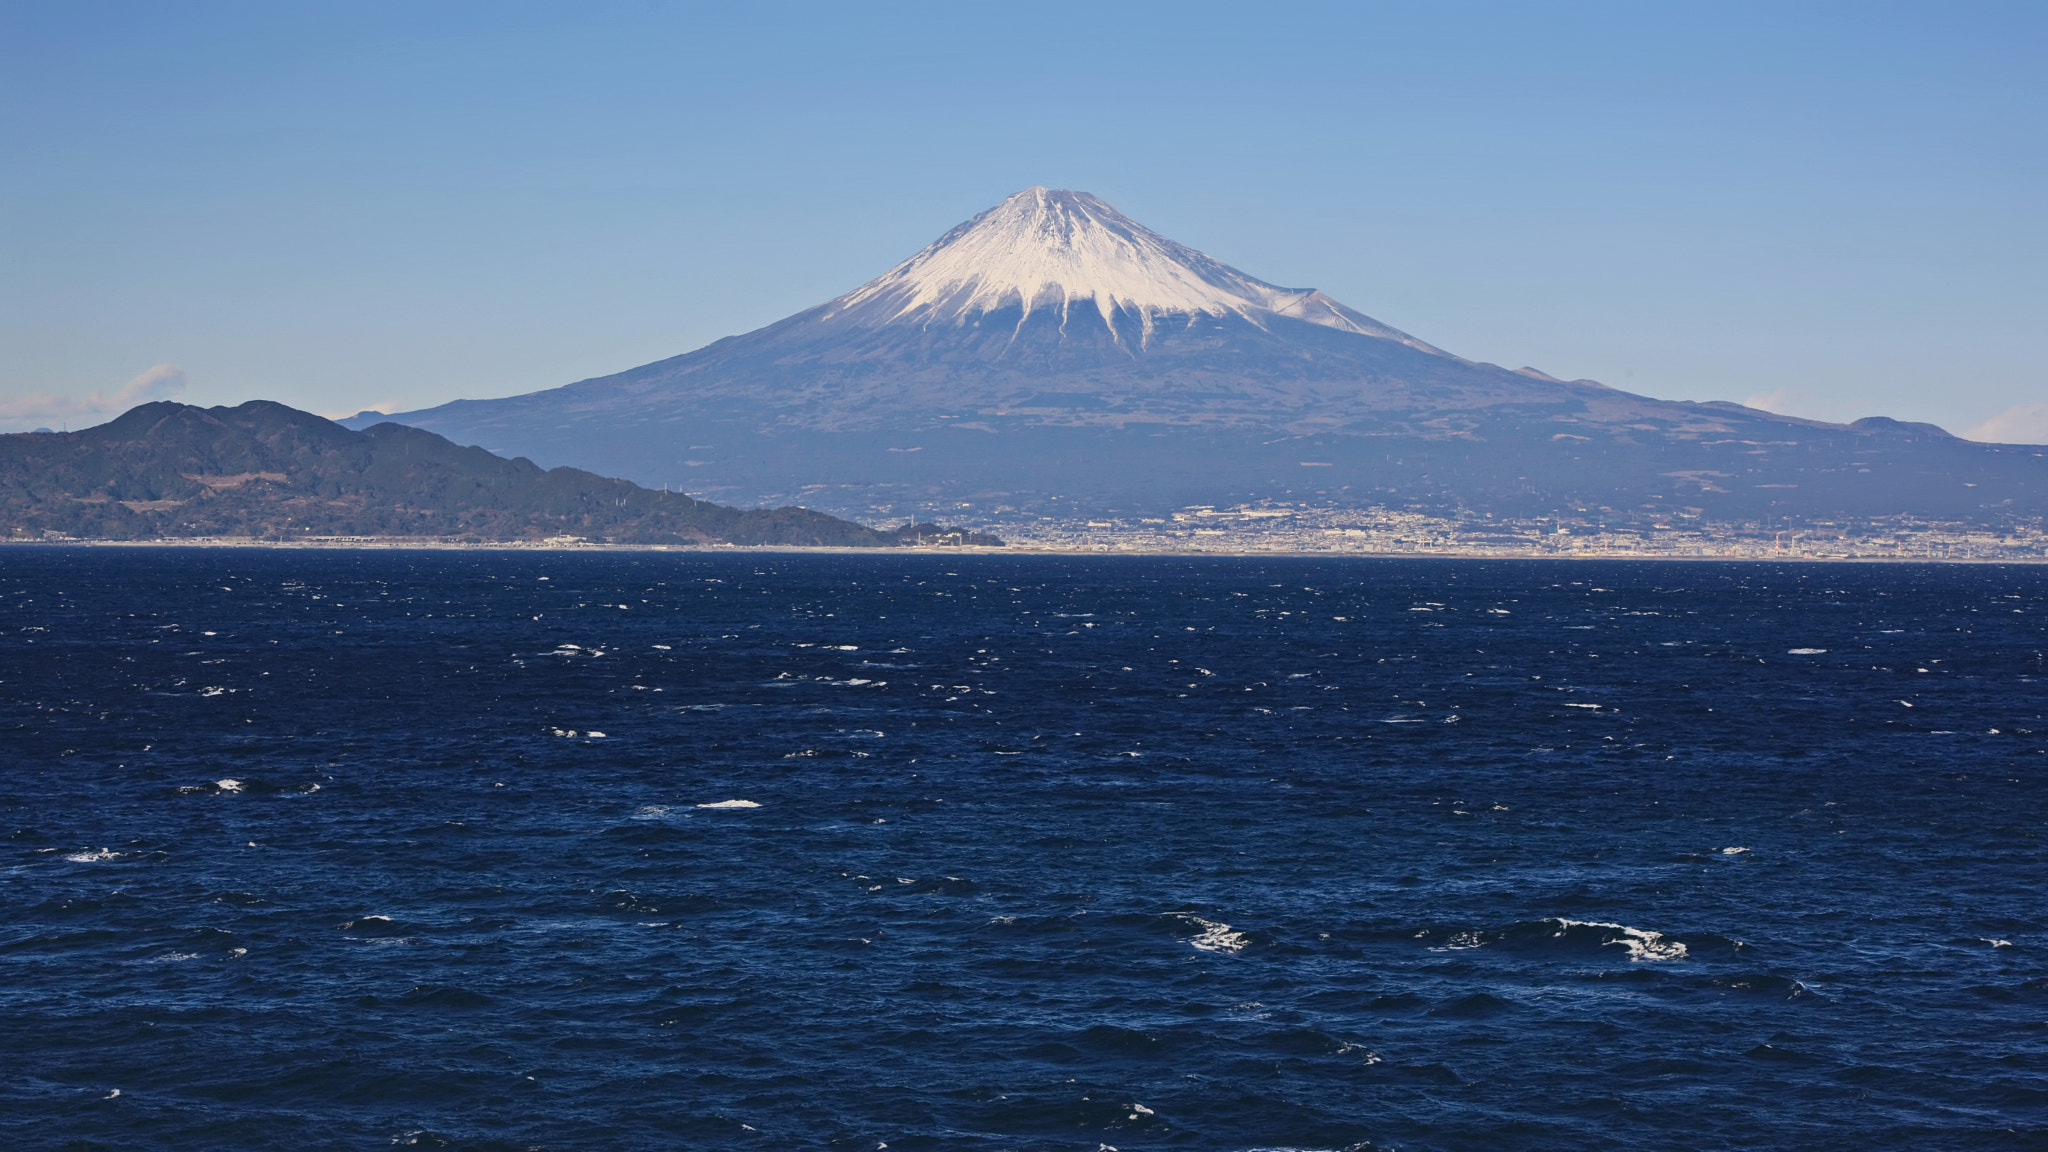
(326, 850)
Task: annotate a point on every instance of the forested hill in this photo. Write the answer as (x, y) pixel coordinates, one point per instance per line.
(264, 470)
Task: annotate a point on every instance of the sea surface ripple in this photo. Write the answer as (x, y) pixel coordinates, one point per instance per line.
(511, 850)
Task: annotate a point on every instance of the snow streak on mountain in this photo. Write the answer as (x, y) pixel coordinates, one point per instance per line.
(1064, 252)
(1053, 356)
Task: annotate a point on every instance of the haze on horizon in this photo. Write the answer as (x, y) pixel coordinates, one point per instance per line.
(1832, 212)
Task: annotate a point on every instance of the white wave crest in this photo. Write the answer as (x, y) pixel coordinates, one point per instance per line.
(1217, 937)
(1642, 944)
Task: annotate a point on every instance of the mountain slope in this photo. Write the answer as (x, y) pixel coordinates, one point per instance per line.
(1053, 354)
(263, 469)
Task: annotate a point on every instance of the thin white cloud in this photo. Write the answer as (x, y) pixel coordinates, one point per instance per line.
(2019, 424)
(159, 383)
(385, 406)
(1775, 401)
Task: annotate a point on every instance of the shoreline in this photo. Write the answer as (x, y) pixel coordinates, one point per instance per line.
(428, 544)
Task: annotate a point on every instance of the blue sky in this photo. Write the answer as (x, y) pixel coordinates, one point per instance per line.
(1835, 210)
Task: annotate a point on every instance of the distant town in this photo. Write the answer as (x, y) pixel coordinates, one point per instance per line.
(1279, 527)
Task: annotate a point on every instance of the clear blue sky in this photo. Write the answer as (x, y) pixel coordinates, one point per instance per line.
(1836, 207)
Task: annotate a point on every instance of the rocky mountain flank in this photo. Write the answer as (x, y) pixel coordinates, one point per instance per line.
(264, 470)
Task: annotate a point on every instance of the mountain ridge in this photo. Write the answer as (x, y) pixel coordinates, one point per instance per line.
(1092, 364)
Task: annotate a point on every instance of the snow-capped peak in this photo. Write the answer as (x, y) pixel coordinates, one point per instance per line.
(1071, 252)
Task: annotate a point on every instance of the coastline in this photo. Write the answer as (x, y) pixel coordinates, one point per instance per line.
(430, 544)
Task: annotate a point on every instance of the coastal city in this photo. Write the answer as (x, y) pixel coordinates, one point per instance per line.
(1275, 527)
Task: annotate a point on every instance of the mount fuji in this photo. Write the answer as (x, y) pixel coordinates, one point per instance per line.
(1052, 355)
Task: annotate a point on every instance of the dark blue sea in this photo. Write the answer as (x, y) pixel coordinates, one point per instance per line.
(517, 850)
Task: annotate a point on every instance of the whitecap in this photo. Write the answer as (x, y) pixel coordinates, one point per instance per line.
(1641, 944)
(94, 856)
(594, 734)
(1370, 1057)
(1217, 937)
(1733, 851)
(730, 804)
(1804, 651)
(228, 785)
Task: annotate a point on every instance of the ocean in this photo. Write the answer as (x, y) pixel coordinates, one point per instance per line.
(547, 850)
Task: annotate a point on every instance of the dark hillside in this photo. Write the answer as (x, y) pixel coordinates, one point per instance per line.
(265, 470)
